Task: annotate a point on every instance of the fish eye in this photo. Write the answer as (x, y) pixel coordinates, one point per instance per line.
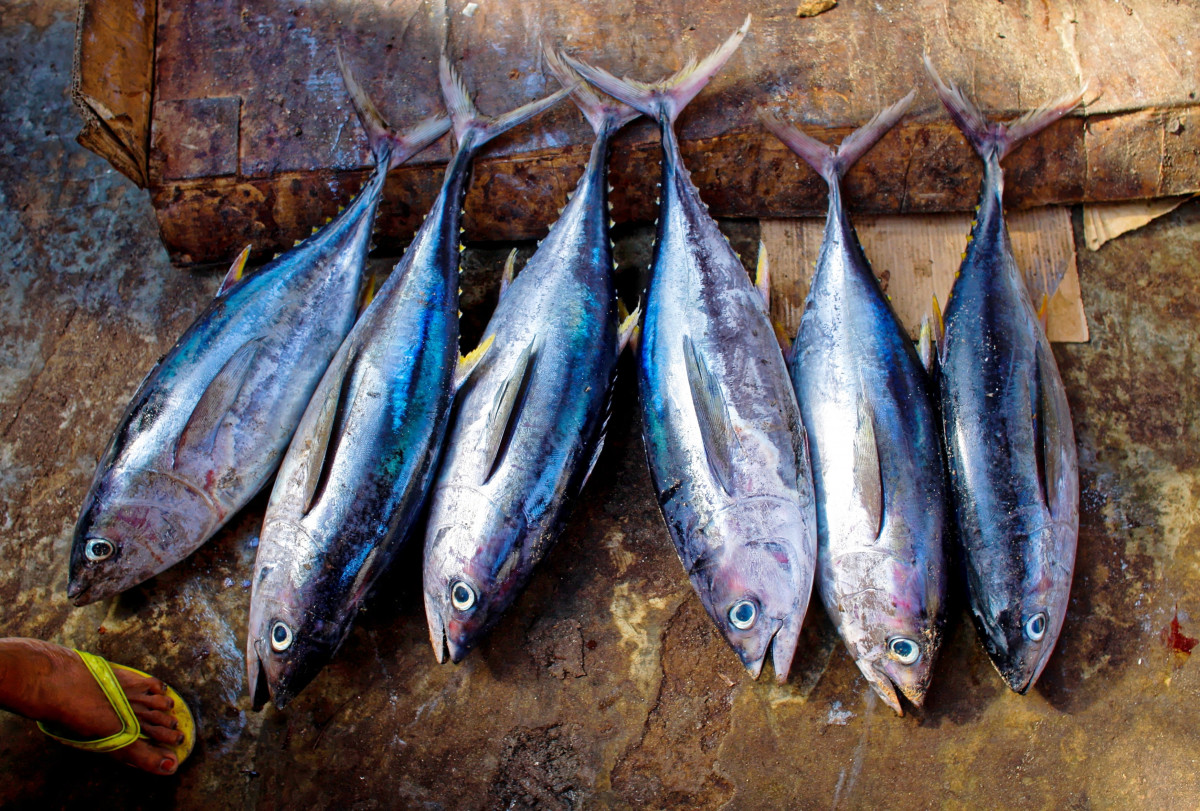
(462, 596)
(1035, 626)
(742, 614)
(281, 636)
(99, 549)
(905, 650)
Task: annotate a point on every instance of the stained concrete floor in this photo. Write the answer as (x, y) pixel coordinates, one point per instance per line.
(606, 686)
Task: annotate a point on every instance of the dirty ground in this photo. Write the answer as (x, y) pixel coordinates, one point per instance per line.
(606, 685)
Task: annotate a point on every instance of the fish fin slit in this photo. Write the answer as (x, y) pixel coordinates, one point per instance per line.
(331, 423)
(712, 414)
(199, 435)
(868, 468)
(506, 412)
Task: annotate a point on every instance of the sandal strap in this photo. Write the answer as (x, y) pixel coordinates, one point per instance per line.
(130, 731)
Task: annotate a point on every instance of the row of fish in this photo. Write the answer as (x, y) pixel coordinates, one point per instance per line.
(278, 371)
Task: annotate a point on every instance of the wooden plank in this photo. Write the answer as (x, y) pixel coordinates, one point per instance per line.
(112, 82)
(275, 64)
(915, 257)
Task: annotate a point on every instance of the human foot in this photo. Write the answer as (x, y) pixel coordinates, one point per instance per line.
(50, 683)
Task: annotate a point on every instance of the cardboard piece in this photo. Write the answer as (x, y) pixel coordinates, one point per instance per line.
(915, 257)
(1105, 221)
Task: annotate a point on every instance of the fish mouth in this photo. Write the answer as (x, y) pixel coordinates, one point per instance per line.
(260, 689)
(884, 687)
(77, 593)
(444, 648)
(780, 648)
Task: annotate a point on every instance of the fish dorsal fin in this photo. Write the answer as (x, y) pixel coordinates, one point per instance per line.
(762, 276)
(330, 421)
(868, 475)
(629, 322)
(199, 436)
(236, 271)
(712, 413)
(468, 362)
(506, 410)
(510, 270)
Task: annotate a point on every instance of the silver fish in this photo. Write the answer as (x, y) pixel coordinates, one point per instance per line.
(529, 424)
(722, 430)
(209, 424)
(1009, 439)
(875, 436)
(357, 472)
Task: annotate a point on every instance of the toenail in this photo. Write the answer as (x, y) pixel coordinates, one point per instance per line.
(167, 764)
(180, 739)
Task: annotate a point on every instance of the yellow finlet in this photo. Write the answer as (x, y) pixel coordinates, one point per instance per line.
(628, 324)
(510, 270)
(467, 363)
(762, 274)
(368, 293)
(1043, 313)
(236, 271)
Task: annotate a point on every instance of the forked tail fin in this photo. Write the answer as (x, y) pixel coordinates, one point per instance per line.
(385, 142)
(467, 118)
(664, 100)
(993, 137)
(832, 164)
(600, 113)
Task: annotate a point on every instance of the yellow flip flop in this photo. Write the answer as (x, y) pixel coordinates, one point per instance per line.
(131, 730)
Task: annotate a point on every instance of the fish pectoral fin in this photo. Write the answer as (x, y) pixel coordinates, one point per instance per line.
(330, 419)
(1050, 434)
(506, 409)
(629, 323)
(236, 271)
(200, 433)
(468, 362)
(712, 414)
(868, 475)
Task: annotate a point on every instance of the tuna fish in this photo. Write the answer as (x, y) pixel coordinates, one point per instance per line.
(209, 424)
(875, 436)
(1009, 440)
(529, 424)
(356, 474)
(722, 430)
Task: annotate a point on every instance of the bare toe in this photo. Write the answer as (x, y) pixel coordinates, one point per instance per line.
(147, 702)
(137, 684)
(148, 757)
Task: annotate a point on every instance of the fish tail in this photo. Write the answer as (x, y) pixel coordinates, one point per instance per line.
(603, 115)
(466, 118)
(666, 99)
(833, 164)
(386, 143)
(989, 137)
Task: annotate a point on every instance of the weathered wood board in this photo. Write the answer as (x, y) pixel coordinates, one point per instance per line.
(252, 139)
(917, 257)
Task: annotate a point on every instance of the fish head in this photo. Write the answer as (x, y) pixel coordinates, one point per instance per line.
(133, 526)
(292, 633)
(475, 565)
(890, 613)
(755, 585)
(1020, 624)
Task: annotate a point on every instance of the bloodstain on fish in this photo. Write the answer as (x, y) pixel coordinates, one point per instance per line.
(1174, 639)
